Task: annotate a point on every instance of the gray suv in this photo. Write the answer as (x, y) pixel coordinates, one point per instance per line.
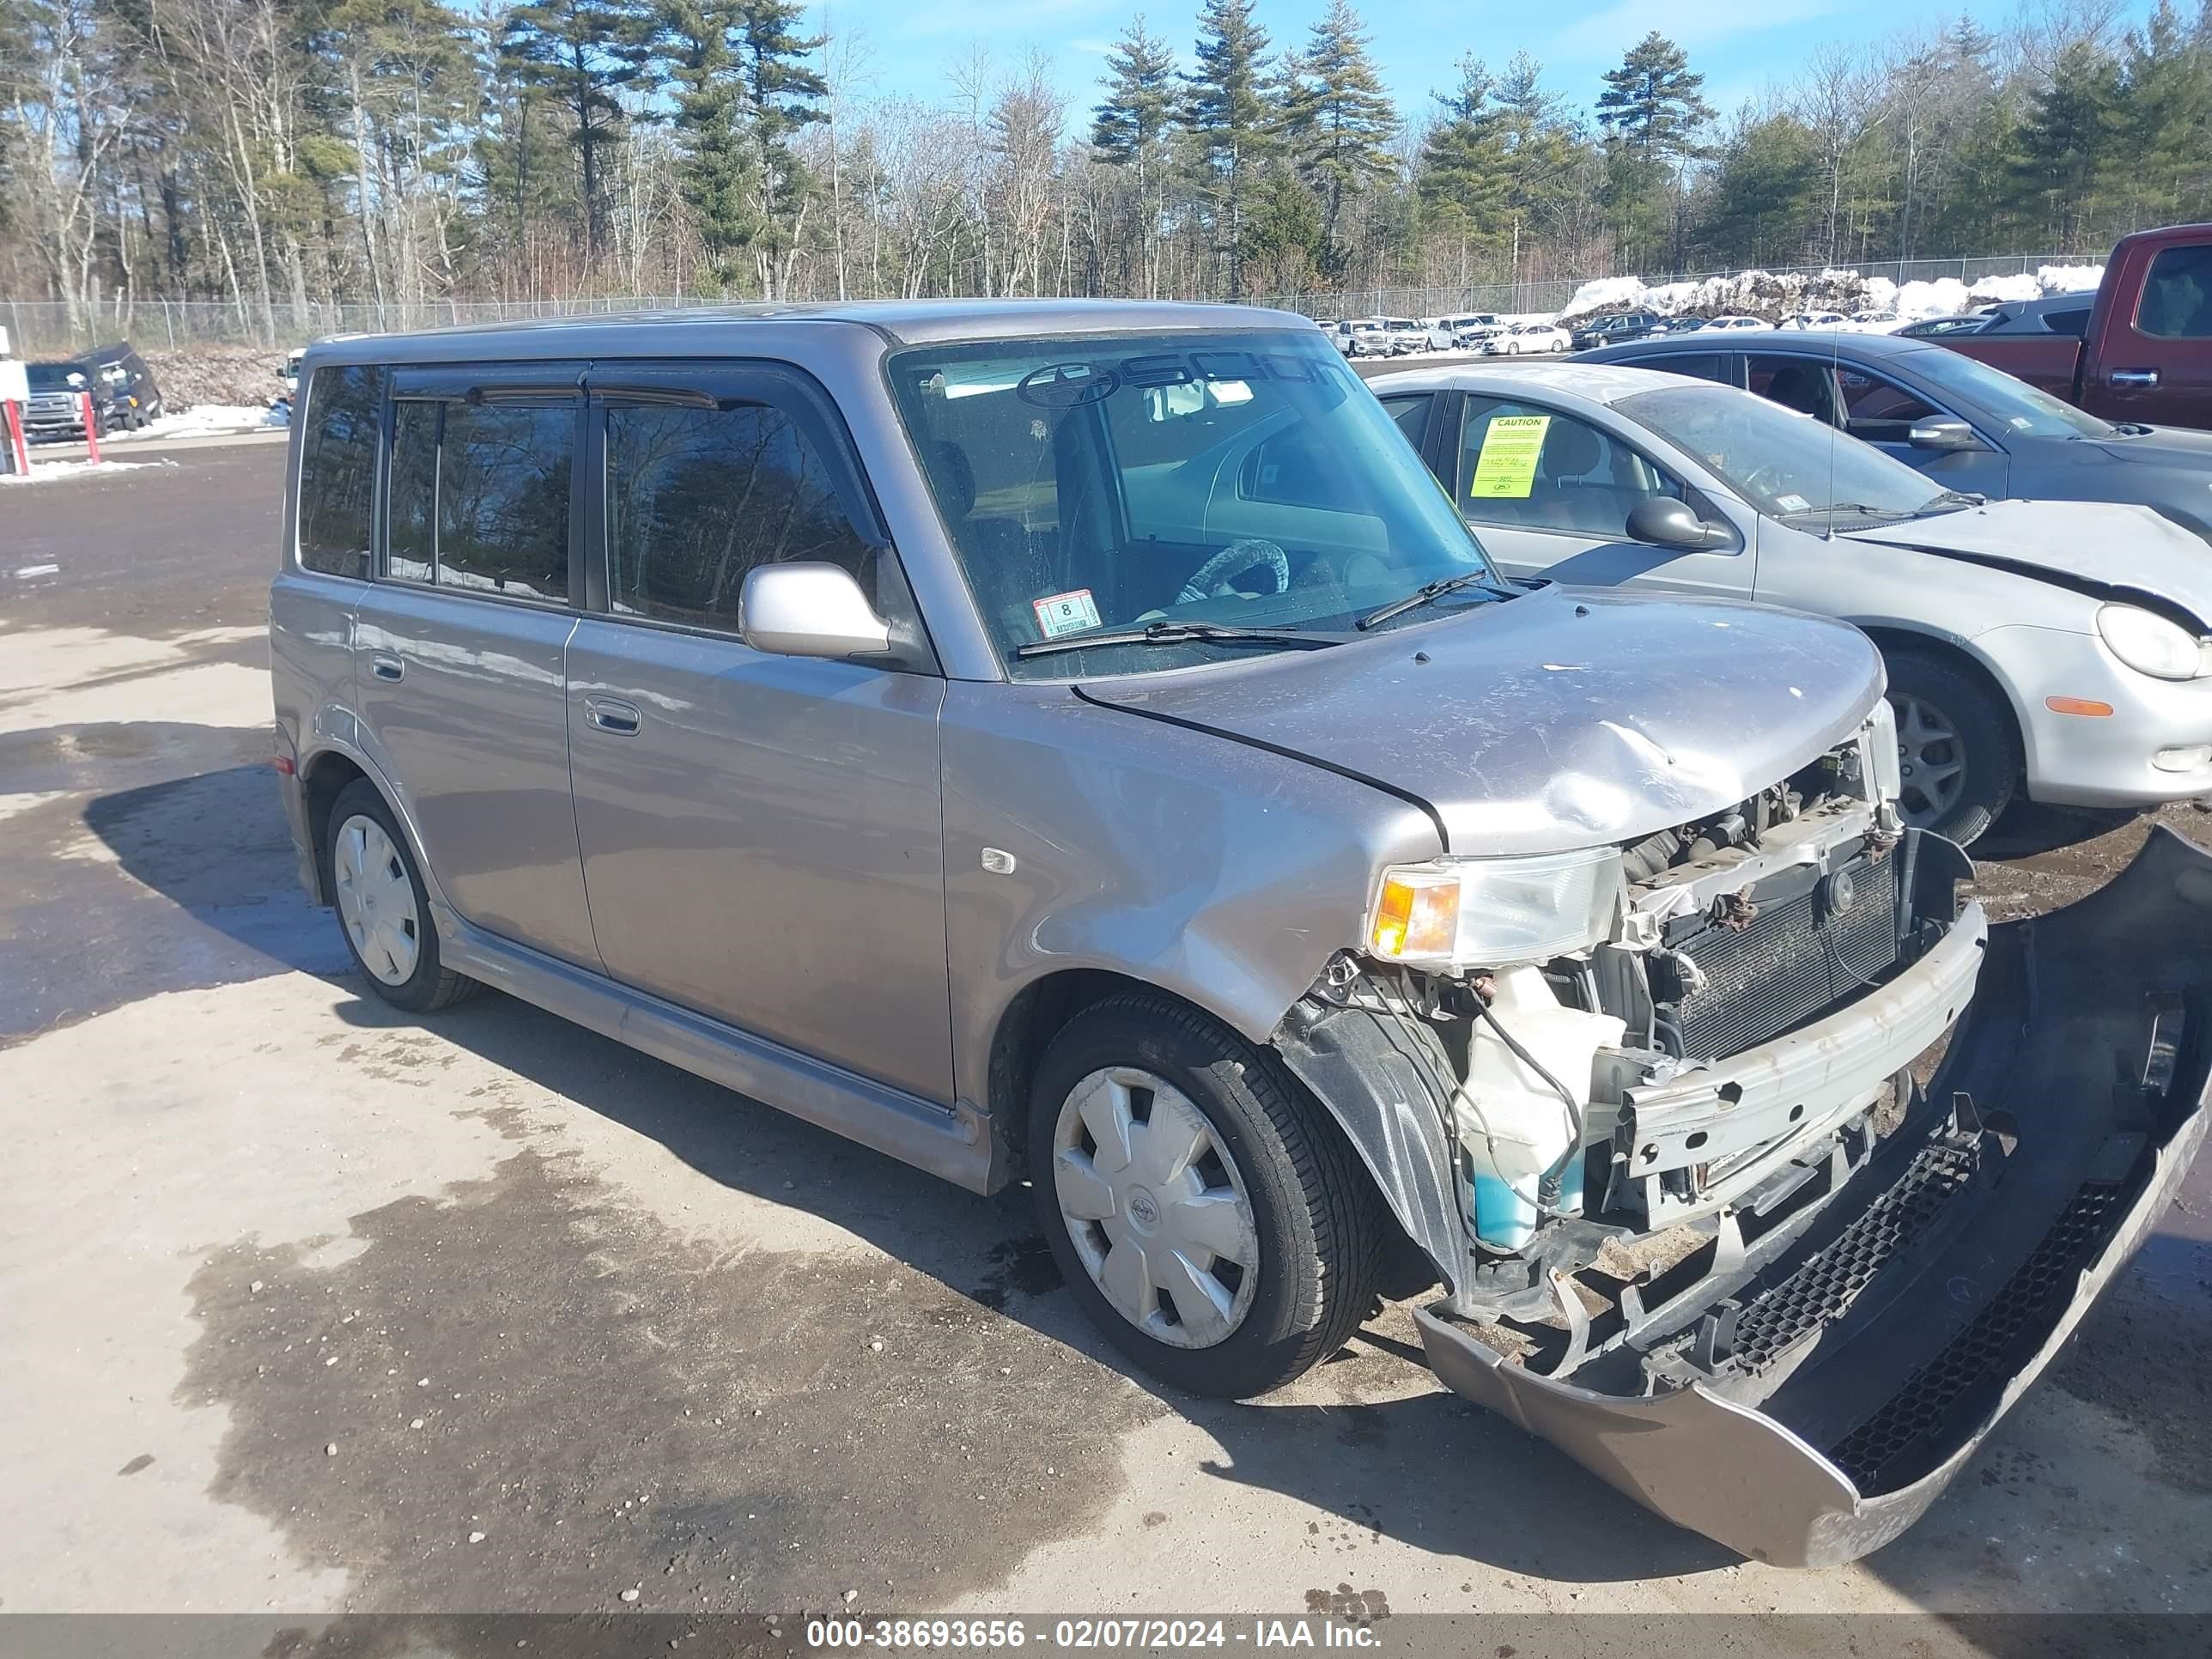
(1082, 745)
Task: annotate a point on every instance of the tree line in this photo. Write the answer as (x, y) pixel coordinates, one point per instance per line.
(267, 153)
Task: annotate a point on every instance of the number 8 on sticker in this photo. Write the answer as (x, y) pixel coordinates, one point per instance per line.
(1065, 613)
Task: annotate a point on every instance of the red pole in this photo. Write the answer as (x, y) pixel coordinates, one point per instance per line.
(18, 451)
(91, 433)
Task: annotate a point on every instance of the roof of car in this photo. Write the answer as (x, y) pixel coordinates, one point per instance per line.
(1790, 339)
(1601, 382)
(899, 322)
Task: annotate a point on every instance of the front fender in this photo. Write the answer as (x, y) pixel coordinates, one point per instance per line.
(1079, 836)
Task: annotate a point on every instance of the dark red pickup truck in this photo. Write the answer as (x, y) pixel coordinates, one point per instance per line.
(2146, 352)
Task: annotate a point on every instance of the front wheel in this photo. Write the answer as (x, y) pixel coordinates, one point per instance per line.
(1958, 756)
(1212, 1222)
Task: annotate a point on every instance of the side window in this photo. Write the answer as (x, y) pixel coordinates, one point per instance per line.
(697, 497)
(337, 470)
(1797, 383)
(1536, 469)
(503, 498)
(2177, 296)
(410, 517)
(1878, 410)
(1411, 411)
(1697, 365)
(2073, 322)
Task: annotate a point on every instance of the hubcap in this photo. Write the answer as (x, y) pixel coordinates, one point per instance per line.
(1931, 763)
(376, 901)
(1155, 1208)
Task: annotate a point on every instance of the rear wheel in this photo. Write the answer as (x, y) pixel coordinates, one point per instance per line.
(1958, 753)
(1212, 1221)
(383, 910)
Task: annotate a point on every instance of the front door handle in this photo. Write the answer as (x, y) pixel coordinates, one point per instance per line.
(2142, 378)
(612, 715)
(387, 667)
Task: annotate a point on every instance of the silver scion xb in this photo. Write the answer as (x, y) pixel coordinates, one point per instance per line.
(1081, 743)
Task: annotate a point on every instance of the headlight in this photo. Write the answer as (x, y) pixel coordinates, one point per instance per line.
(1494, 913)
(2151, 645)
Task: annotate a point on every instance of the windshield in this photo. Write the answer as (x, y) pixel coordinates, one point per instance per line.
(1786, 465)
(53, 377)
(1246, 480)
(2032, 413)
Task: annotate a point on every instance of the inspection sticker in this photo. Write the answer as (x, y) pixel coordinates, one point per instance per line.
(1792, 503)
(1065, 613)
(1506, 469)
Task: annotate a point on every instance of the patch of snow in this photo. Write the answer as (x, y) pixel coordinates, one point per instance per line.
(1774, 295)
(42, 470)
(202, 420)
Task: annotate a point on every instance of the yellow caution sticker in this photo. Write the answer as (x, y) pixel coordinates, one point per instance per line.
(1506, 468)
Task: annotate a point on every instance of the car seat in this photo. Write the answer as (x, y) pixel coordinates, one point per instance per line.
(1804, 388)
(1567, 495)
(1008, 567)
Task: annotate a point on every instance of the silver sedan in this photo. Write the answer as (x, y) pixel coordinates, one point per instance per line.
(2061, 650)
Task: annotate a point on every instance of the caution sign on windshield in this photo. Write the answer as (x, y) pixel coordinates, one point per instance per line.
(1506, 469)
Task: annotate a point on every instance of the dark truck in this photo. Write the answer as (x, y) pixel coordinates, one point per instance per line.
(2144, 351)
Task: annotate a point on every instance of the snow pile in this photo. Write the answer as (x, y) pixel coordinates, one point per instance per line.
(202, 420)
(42, 470)
(1774, 295)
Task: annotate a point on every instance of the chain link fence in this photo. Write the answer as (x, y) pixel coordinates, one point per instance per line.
(45, 327)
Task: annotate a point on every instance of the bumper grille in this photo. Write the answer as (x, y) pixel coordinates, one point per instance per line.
(1801, 954)
(1826, 1286)
(1875, 1455)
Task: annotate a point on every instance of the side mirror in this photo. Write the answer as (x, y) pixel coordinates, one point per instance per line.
(1945, 435)
(1662, 521)
(808, 610)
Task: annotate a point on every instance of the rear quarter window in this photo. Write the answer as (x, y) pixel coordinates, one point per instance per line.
(337, 470)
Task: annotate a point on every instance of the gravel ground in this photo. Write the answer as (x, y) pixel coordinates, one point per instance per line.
(310, 1309)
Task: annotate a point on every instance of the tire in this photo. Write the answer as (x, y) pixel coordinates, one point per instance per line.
(388, 900)
(1946, 716)
(1309, 1216)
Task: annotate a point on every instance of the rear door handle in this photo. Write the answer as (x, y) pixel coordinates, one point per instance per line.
(612, 715)
(2144, 378)
(387, 668)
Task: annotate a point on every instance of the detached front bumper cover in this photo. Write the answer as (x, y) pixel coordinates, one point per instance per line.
(1856, 1372)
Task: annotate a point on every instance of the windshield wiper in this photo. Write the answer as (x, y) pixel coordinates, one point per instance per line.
(1175, 633)
(1436, 590)
(1963, 497)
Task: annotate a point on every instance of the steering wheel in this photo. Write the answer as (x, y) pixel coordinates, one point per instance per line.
(1235, 560)
(1765, 481)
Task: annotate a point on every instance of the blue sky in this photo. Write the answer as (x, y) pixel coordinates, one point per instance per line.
(1741, 46)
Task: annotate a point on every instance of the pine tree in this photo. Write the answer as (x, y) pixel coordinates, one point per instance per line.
(2164, 114)
(1339, 122)
(714, 170)
(1232, 117)
(2067, 144)
(1131, 122)
(1653, 103)
(580, 53)
(1462, 180)
(783, 97)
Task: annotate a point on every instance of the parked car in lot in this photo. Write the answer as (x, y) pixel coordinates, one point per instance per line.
(1970, 426)
(1729, 324)
(1405, 335)
(1080, 743)
(1470, 328)
(2144, 350)
(1678, 325)
(1369, 336)
(1613, 328)
(2056, 313)
(2061, 650)
(1929, 328)
(1815, 319)
(124, 394)
(1528, 339)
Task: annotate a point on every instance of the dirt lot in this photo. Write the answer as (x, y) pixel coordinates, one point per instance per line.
(310, 1309)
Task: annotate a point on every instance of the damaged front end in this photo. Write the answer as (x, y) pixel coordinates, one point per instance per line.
(1716, 1210)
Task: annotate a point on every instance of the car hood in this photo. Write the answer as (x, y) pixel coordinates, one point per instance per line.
(2162, 446)
(1566, 717)
(2104, 548)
